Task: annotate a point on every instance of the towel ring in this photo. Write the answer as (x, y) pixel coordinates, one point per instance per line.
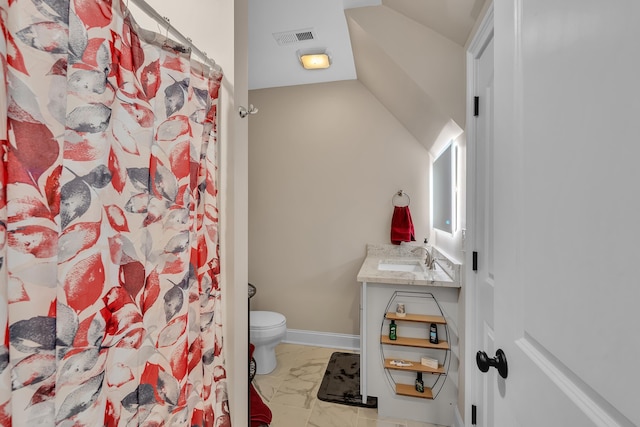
(400, 194)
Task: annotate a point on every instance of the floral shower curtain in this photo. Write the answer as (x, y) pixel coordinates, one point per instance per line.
(109, 266)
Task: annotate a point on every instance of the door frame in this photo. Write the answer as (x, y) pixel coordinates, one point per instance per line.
(472, 342)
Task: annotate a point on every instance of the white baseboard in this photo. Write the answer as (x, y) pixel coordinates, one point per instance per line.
(323, 339)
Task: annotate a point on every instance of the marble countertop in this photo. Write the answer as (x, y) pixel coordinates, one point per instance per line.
(377, 253)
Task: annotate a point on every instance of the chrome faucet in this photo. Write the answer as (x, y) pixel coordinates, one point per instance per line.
(429, 259)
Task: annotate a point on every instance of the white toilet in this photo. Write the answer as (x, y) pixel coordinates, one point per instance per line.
(266, 330)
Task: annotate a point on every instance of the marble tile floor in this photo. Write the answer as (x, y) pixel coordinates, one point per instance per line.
(290, 392)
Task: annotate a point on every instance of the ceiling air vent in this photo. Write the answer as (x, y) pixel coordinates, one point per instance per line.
(295, 36)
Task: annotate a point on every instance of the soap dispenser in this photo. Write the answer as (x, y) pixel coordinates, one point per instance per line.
(392, 330)
(433, 334)
(419, 383)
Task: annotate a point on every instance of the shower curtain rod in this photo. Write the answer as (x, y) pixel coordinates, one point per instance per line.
(164, 21)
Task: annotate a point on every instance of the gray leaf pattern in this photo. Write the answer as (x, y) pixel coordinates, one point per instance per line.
(99, 177)
(78, 38)
(33, 369)
(173, 300)
(168, 388)
(66, 324)
(54, 9)
(165, 183)
(75, 200)
(87, 82)
(76, 365)
(45, 36)
(137, 203)
(143, 395)
(80, 399)
(175, 96)
(34, 335)
(24, 105)
(91, 118)
(4, 358)
(178, 243)
(139, 178)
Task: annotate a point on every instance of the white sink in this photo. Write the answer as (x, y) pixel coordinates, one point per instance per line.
(413, 266)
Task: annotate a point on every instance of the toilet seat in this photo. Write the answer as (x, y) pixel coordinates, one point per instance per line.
(261, 320)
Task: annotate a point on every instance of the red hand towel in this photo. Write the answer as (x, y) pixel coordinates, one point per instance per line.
(402, 226)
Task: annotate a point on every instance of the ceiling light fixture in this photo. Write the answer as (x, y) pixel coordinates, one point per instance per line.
(314, 60)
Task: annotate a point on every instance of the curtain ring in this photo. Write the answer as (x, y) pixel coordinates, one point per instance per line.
(166, 36)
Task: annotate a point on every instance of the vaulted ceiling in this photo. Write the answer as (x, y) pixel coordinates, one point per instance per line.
(409, 53)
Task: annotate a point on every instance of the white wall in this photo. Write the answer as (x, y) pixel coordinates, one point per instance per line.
(324, 163)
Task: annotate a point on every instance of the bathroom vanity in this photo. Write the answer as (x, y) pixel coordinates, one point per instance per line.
(396, 274)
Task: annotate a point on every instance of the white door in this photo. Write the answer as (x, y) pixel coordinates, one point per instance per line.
(566, 212)
(480, 161)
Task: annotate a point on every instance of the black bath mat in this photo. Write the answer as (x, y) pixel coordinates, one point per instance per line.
(341, 382)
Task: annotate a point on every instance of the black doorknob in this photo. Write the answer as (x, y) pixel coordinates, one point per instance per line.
(499, 362)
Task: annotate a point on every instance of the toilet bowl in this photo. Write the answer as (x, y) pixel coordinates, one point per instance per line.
(266, 330)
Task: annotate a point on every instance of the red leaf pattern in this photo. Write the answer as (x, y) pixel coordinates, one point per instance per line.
(151, 291)
(117, 218)
(81, 149)
(76, 239)
(151, 79)
(94, 52)
(27, 207)
(94, 13)
(39, 241)
(14, 56)
(83, 282)
(132, 277)
(178, 156)
(35, 148)
(118, 175)
(88, 333)
(108, 224)
(121, 250)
